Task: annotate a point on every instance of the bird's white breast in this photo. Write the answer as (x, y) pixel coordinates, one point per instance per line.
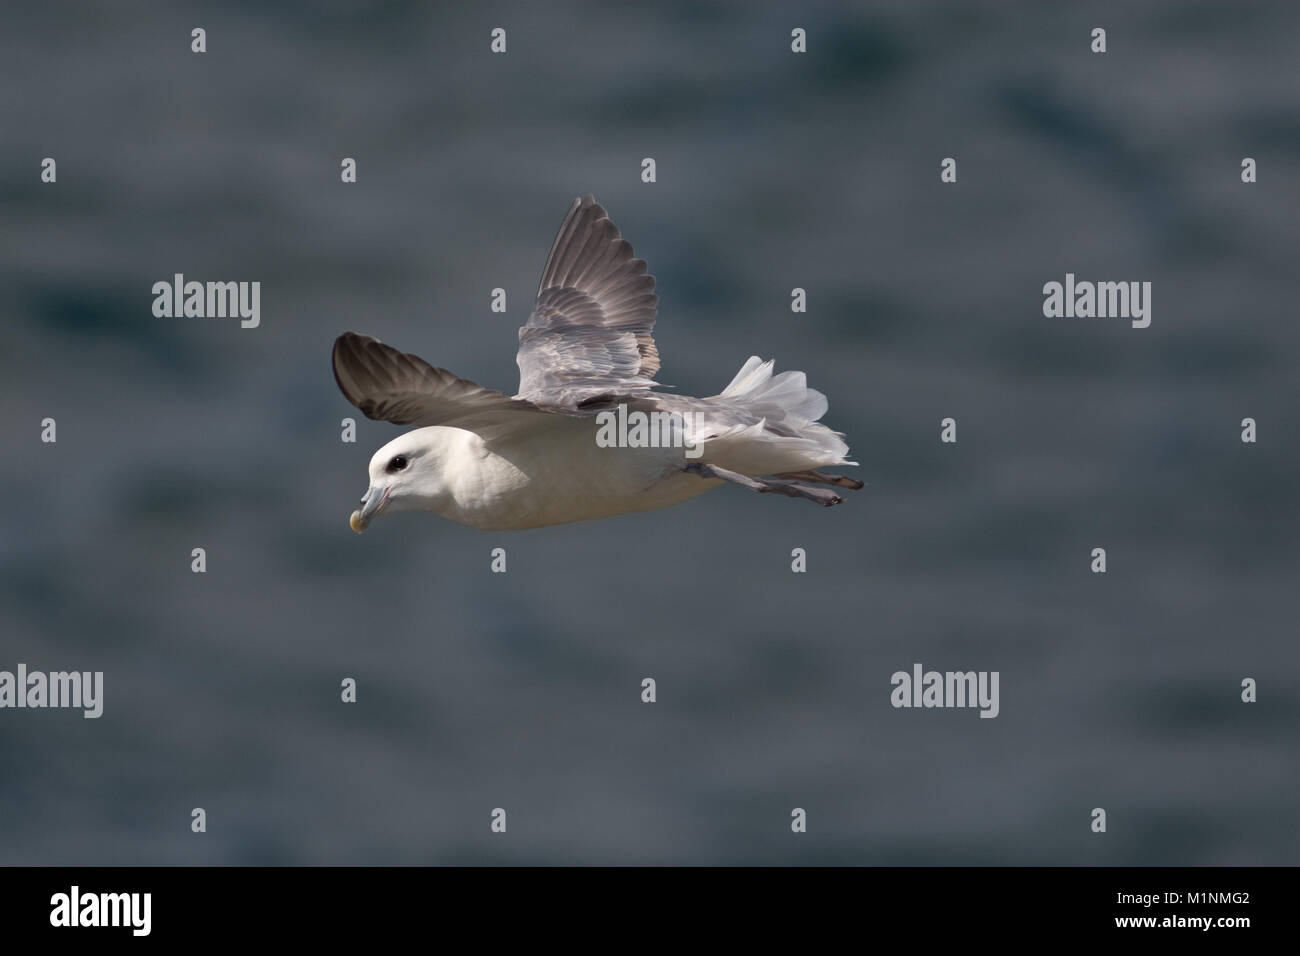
(557, 474)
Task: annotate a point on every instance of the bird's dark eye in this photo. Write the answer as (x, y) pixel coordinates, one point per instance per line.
(397, 464)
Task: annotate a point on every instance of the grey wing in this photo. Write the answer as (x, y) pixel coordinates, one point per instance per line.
(589, 337)
(392, 386)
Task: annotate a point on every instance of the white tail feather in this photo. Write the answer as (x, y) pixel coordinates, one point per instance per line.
(786, 394)
(788, 436)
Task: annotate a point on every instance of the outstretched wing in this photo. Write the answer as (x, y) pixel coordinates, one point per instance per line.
(392, 386)
(589, 336)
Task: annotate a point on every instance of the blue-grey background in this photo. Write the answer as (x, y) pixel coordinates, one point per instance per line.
(522, 690)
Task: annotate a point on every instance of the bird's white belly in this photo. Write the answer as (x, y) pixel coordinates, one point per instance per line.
(560, 474)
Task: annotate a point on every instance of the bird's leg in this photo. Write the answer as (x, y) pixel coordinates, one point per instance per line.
(842, 481)
(792, 489)
(796, 489)
(705, 470)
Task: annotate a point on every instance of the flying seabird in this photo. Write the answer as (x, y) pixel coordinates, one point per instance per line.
(560, 450)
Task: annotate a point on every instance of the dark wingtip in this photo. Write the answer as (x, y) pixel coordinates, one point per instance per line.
(350, 339)
(347, 344)
(588, 202)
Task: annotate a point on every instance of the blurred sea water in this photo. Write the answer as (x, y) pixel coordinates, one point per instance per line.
(522, 690)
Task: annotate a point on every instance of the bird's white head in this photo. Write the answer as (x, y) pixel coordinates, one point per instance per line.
(408, 474)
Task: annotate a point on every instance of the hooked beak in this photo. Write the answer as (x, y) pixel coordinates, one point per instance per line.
(371, 505)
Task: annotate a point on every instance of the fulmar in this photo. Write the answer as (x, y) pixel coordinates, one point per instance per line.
(573, 443)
